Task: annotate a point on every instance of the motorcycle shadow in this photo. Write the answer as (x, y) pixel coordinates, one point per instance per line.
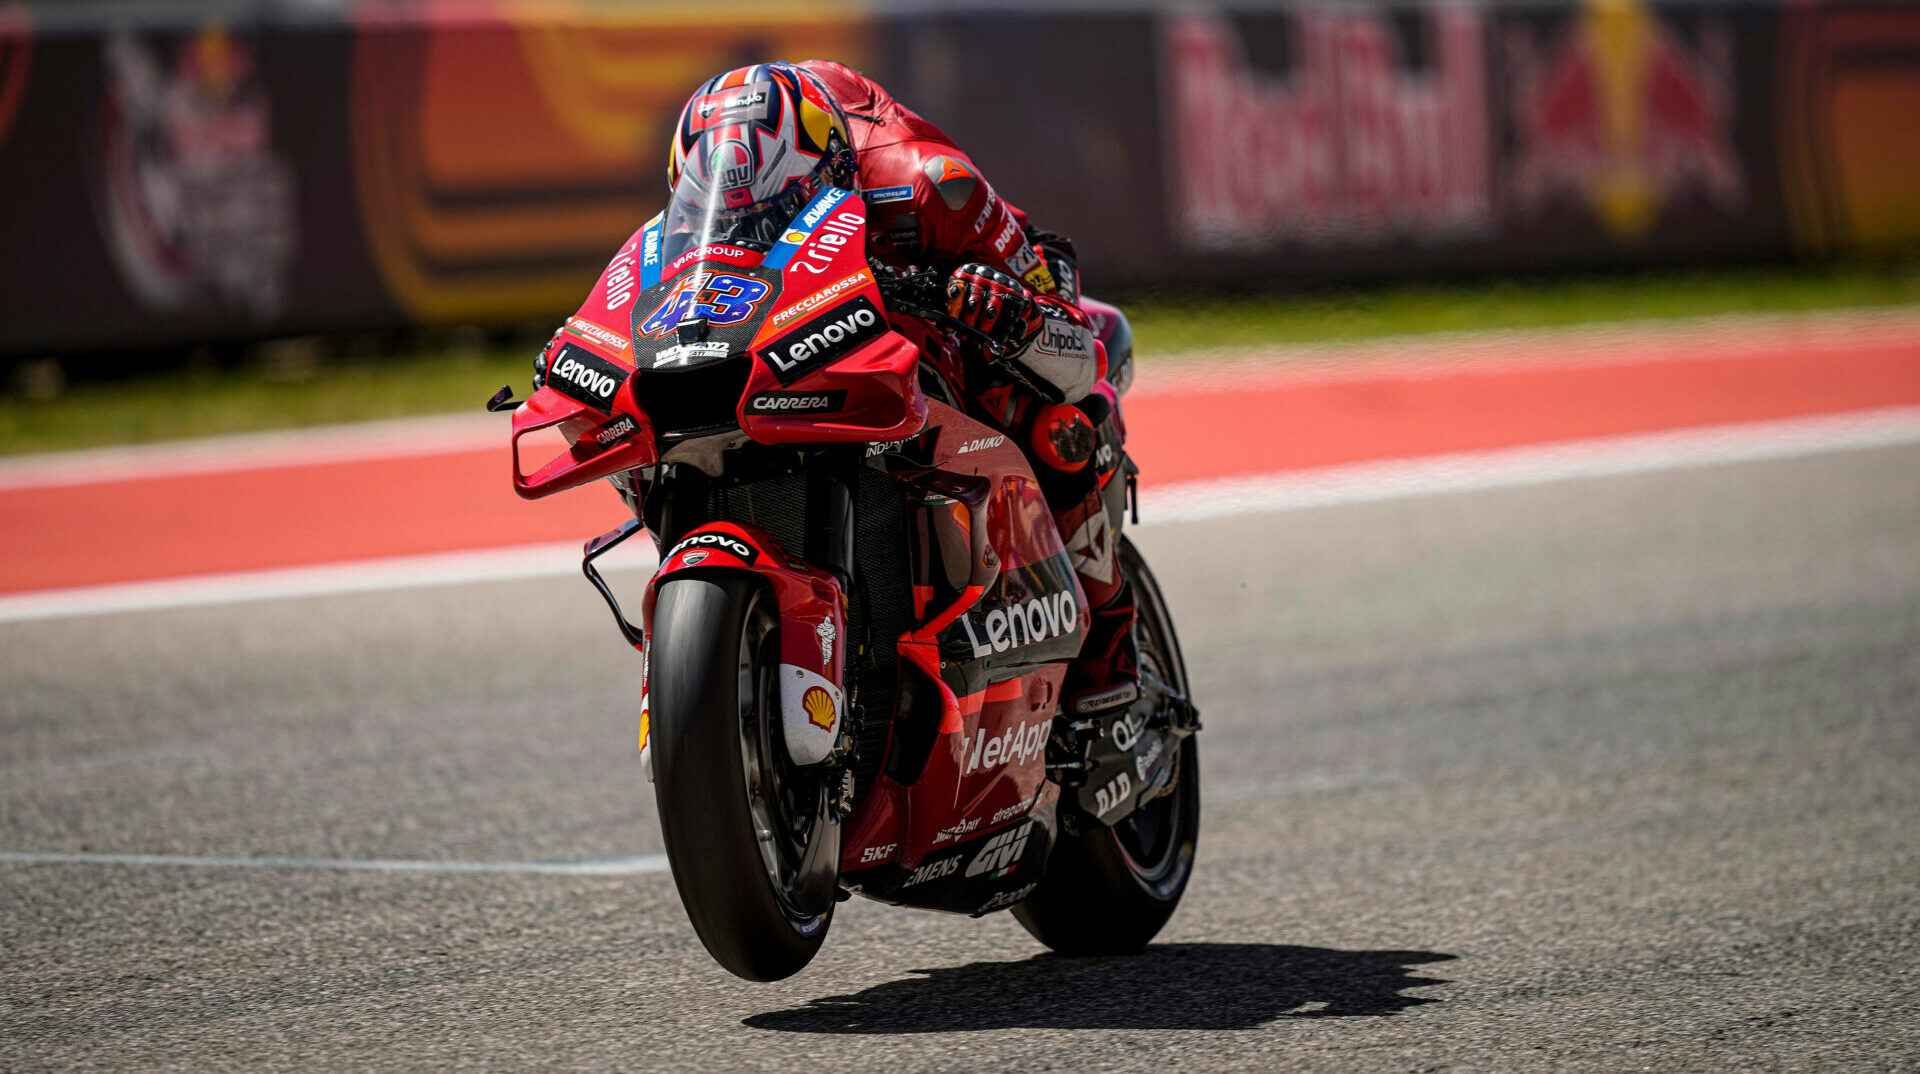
(1167, 986)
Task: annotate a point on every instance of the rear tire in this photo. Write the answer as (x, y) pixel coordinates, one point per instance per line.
(714, 705)
(1109, 890)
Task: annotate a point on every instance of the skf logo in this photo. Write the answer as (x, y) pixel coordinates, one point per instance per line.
(1001, 855)
(819, 708)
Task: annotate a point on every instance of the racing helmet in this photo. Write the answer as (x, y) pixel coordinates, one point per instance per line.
(753, 146)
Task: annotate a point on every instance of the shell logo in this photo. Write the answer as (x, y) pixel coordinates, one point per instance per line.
(795, 237)
(819, 706)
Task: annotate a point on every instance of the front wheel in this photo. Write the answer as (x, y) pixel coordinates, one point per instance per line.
(1109, 890)
(738, 818)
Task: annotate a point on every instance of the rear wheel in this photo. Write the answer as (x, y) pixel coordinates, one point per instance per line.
(738, 818)
(1109, 890)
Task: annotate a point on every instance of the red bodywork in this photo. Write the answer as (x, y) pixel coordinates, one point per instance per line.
(986, 769)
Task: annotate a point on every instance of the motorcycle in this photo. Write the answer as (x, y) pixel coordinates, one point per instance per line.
(854, 643)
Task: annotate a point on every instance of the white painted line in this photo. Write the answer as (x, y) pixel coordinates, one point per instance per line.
(637, 865)
(406, 572)
(1532, 465)
(433, 434)
(1160, 504)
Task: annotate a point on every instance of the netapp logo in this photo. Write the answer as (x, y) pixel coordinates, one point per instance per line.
(581, 375)
(1014, 746)
(798, 402)
(724, 542)
(838, 332)
(1023, 624)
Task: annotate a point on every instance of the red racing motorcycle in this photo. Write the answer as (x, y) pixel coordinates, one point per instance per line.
(854, 643)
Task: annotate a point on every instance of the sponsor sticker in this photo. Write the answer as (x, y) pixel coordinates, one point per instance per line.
(1016, 745)
(585, 377)
(614, 431)
(600, 334)
(958, 830)
(890, 193)
(1110, 797)
(832, 335)
(798, 402)
(819, 707)
(1008, 898)
(821, 297)
(934, 870)
(980, 444)
(689, 353)
(723, 542)
(1033, 620)
(1001, 855)
(880, 853)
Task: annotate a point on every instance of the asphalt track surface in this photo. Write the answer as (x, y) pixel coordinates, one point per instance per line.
(1604, 774)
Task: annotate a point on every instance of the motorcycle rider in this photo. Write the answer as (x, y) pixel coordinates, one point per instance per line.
(773, 135)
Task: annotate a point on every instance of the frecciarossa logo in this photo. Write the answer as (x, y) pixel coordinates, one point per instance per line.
(720, 542)
(585, 377)
(838, 332)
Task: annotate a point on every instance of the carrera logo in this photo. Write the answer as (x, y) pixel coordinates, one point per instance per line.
(838, 332)
(1022, 624)
(720, 542)
(1016, 745)
(821, 297)
(798, 402)
(1001, 855)
(615, 431)
(583, 376)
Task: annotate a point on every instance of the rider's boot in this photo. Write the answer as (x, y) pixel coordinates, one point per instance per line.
(1106, 675)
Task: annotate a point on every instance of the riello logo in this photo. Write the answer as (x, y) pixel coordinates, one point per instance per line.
(1022, 624)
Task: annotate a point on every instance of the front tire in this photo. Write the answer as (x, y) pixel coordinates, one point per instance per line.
(736, 817)
(1109, 890)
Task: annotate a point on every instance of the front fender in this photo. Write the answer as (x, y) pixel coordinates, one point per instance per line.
(813, 620)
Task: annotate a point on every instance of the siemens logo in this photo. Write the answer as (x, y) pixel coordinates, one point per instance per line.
(840, 331)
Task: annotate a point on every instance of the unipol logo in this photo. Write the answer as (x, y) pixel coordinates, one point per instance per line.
(1351, 145)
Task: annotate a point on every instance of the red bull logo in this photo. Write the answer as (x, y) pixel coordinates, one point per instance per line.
(1620, 113)
(1352, 143)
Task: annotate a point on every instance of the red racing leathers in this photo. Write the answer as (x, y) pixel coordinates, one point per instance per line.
(929, 207)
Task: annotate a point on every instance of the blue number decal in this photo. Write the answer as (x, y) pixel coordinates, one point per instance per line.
(721, 297)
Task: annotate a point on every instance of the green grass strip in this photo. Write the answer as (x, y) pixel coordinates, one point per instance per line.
(266, 395)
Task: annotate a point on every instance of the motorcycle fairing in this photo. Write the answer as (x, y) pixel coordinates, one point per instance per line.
(826, 345)
(986, 770)
(813, 619)
(604, 442)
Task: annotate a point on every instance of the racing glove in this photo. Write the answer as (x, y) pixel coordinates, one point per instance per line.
(990, 301)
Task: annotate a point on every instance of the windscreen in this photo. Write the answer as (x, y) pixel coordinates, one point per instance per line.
(699, 214)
